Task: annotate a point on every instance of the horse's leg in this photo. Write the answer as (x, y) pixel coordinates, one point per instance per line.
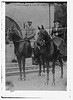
(61, 65)
(43, 62)
(39, 67)
(43, 65)
(53, 71)
(47, 62)
(19, 62)
(24, 76)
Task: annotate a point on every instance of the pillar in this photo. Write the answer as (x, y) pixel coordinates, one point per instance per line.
(51, 16)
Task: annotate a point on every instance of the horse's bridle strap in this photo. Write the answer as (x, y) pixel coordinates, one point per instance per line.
(24, 39)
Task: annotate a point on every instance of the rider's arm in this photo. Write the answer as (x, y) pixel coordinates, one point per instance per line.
(31, 36)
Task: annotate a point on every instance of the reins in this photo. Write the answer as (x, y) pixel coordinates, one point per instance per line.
(24, 39)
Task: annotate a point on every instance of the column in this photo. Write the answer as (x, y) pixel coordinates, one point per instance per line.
(51, 16)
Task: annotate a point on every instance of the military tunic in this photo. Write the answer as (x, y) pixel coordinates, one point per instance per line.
(30, 33)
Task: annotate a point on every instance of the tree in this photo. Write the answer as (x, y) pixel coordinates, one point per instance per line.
(61, 13)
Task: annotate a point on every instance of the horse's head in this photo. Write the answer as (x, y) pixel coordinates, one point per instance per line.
(41, 32)
(43, 36)
(13, 35)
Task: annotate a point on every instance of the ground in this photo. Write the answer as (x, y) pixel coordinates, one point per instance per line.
(35, 82)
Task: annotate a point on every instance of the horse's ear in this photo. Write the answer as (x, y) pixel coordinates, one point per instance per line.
(38, 27)
(42, 26)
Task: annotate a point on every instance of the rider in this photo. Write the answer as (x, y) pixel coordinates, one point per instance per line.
(57, 33)
(57, 36)
(57, 30)
(30, 34)
(30, 31)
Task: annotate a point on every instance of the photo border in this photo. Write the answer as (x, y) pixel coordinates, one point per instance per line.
(36, 94)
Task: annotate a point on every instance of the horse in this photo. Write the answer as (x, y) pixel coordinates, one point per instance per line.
(22, 49)
(39, 56)
(50, 52)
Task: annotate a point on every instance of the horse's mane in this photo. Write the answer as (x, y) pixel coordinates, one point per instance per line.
(16, 35)
(47, 37)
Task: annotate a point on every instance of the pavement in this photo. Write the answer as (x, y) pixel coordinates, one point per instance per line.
(35, 82)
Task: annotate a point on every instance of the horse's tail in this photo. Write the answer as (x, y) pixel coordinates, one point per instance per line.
(63, 49)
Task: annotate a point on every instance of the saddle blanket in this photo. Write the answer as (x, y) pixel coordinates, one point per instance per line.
(59, 42)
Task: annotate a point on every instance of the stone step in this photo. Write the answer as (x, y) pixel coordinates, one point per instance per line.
(11, 71)
(13, 68)
(16, 64)
(16, 68)
(17, 72)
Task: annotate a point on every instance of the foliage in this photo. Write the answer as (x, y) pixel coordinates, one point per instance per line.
(61, 13)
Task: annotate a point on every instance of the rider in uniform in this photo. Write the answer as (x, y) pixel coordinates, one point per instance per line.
(30, 34)
(30, 31)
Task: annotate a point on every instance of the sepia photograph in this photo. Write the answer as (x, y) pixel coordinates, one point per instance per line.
(35, 46)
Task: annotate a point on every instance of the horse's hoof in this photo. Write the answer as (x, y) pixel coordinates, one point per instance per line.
(39, 74)
(47, 83)
(24, 79)
(20, 78)
(53, 84)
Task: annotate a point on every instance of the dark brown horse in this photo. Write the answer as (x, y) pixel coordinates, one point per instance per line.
(22, 49)
(49, 52)
(39, 56)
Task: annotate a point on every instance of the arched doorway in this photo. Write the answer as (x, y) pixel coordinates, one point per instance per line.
(9, 22)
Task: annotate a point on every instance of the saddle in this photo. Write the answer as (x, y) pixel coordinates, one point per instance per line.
(57, 41)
